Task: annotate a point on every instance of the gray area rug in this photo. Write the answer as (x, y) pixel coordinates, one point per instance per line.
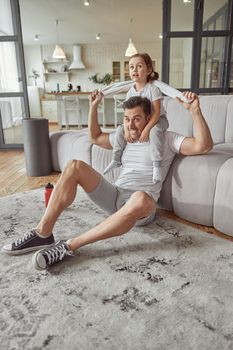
(166, 286)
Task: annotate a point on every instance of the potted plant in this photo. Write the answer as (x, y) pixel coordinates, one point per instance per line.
(35, 74)
(106, 79)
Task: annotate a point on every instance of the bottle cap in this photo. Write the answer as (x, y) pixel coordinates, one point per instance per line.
(49, 185)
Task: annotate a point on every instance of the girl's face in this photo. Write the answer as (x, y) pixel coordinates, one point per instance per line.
(138, 70)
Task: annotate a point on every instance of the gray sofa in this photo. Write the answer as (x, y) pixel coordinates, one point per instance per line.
(197, 188)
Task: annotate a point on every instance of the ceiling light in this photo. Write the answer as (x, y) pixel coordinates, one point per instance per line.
(36, 38)
(86, 2)
(187, 1)
(131, 49)
(58, 52)
(97, 36)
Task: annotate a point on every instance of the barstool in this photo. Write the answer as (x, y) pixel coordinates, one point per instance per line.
(72, 104)
(118, 105)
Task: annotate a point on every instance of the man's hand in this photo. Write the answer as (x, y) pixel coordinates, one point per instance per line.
(201, 142)
(193, 105)
(96, 135)
(96, 97)
(144, 135)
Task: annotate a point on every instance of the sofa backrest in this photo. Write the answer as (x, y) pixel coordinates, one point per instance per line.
(218, 112)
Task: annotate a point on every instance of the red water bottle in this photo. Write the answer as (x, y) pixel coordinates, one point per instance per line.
(48, 192)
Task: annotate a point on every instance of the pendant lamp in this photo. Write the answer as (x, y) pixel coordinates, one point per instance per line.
(131, 49)
(58, 52)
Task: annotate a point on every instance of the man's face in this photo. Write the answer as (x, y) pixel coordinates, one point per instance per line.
(135, 121)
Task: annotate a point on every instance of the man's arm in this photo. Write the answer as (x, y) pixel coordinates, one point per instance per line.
(95, 133)
(201, 142)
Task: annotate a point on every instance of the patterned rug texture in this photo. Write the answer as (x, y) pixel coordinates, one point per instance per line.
(166, 286)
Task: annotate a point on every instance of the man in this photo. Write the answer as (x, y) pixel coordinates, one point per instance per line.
(131, 200)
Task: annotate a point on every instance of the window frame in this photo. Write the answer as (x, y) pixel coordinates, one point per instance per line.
(16, 38)
(197, 34)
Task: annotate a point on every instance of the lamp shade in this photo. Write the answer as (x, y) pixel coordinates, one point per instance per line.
(131, 49)
(58, 52)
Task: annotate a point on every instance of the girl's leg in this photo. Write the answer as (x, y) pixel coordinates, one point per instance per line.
(156, 147)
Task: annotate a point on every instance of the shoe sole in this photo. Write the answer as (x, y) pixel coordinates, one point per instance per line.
(35, 263)
(26, 250)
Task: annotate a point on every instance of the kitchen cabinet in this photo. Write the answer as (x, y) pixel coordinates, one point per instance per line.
(49, 110)
(120, 70)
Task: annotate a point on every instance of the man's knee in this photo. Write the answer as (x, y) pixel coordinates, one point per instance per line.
(75, 165)
(140, 204)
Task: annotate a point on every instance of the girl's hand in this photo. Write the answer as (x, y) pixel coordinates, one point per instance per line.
(96, 97)
(193, 101)
(127, 136)
(144, 136)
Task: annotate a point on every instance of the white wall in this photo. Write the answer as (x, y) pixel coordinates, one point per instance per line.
(32, 55)
(96, 57)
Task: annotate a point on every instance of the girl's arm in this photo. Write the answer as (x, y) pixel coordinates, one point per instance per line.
(153, 120)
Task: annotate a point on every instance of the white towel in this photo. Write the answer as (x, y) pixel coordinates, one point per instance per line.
(124, 86)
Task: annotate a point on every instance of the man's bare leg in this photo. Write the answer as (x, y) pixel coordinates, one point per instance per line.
(138, 206)
(76, 173)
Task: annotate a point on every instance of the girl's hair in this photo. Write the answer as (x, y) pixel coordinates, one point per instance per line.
(148, 61)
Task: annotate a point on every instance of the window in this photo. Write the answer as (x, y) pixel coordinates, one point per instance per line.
(216, 15)
(197, 45)
(180, 62)
(13, 95)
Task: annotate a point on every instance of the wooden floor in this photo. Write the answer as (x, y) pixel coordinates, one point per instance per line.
(13, 179)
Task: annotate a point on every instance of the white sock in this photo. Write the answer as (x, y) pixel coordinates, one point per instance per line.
(114, 164)
(157, 174)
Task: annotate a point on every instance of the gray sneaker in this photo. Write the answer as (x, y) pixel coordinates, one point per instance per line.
(28, 243)
(44, 258)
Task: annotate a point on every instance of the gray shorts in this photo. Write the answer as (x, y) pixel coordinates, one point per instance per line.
(111, 198)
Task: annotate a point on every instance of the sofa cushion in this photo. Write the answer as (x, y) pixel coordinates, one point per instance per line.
(223, 203)
(194, 184)
(224, 147)
(180, 120)
(67, 145)
(215, 109)
(229, 121)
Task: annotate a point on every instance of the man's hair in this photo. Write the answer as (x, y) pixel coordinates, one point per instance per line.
(138, 101)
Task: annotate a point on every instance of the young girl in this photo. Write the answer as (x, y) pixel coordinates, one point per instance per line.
(142, 74)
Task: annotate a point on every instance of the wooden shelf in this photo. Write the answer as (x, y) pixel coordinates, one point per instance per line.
(50, 73)
(49, 62)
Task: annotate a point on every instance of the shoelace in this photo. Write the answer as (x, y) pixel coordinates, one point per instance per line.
(56, 253)
(24, 238)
